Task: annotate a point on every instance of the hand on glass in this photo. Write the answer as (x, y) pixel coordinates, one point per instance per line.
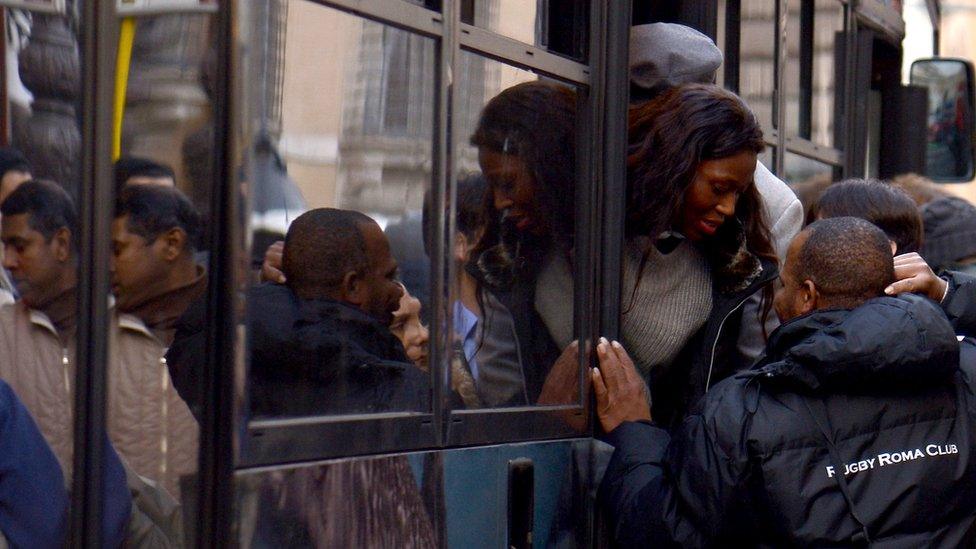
(913, 274)
(621, 394)
(562, 387)
(271, 268)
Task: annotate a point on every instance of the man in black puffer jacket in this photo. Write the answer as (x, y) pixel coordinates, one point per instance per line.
(855, 429)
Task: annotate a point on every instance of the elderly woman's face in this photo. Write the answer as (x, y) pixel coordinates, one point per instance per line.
(513, 189)
(410, 330)
(711, 198)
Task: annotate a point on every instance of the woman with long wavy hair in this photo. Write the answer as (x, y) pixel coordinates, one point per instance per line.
(698, 245)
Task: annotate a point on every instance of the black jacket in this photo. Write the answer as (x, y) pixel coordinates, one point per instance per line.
(960, 302)
(711, 355)
(879, 388)
(315, 357)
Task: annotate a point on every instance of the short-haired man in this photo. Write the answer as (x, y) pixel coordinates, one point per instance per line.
(890, 208)
(38, 233)
(154, 279)
(850, 429)
(37, 333)
(321, 344)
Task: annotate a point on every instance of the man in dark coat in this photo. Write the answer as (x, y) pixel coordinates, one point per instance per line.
(854, 429)
(321, 344)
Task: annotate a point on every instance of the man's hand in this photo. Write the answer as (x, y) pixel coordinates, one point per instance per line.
(913, 274)
(620, 392)
(271, 268)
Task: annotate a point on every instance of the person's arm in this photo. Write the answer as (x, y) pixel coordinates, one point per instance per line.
(960, 302)
(657, 491)
(33, 500)
(955, 291)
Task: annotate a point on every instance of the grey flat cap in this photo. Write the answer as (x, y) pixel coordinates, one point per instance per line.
(671, 54)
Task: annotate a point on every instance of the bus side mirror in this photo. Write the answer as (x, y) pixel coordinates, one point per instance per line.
(949, 153)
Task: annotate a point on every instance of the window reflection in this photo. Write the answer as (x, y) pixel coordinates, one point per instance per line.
(39, 227)
(800, 170)
(560, 27)
(828, 75)
(339, 324)
(813, 78)
(513, 313)
(757, 58)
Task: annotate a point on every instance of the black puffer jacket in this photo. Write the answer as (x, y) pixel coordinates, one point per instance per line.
(960, 302)
(323, 357)
(877, 391)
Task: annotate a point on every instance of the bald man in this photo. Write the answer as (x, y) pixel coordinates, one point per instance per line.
(857, 420)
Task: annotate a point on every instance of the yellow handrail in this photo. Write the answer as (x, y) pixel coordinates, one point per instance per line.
(127, 34)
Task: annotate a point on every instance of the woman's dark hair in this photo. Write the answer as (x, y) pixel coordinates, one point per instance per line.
(535, 121)
(669, 137)
(886, 206)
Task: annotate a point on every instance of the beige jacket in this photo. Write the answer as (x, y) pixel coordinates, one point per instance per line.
(40, 369)
(149, 424)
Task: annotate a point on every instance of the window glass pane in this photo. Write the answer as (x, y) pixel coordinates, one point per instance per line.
(40, 231)
(828, 74)
(800, 170)
(814, 80)
(514, 283)
(560, 27)
(340, 177)
(160, 266)
(757, 58)
(794, 96)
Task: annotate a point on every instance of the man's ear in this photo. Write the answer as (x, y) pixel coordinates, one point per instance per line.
(352, 290)
(173, 242)
(62, 244)
(809, 297)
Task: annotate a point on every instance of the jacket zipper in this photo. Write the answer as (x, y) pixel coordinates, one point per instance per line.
(718, 334)
(64, 371)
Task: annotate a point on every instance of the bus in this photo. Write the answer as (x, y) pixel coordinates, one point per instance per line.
(264, 110)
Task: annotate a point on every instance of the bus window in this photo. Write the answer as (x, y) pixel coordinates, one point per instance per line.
(800, 169)
(514, 316)
(757, 58)
(161, 258)
(560, 27)
(828, 75)
(814, 80)
(343, 188)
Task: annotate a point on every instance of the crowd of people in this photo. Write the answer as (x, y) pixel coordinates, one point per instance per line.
(787, 372)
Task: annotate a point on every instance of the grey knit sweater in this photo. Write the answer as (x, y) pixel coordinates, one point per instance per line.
(671, 302)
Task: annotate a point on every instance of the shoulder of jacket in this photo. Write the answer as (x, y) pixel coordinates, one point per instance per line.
(777, 196)
(727, 407)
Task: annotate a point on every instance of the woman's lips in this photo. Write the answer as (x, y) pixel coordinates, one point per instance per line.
(709, 227)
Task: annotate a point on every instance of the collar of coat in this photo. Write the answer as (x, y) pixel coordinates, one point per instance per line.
(886, 343)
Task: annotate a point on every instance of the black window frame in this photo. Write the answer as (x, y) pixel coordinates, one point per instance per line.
(778, 139)
(276, 441)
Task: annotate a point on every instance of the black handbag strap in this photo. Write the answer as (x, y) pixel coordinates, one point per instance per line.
(819, 414)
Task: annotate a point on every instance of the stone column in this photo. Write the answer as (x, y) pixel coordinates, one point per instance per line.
(49, 134)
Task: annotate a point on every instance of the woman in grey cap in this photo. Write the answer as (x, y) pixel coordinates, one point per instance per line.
(698, 246)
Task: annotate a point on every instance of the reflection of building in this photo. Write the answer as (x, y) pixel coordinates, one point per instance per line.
(757, 57)
(364, 141)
